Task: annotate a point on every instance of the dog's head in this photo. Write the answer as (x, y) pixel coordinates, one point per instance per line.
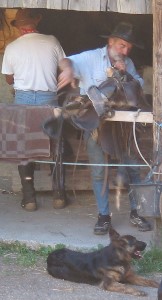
(128, 244)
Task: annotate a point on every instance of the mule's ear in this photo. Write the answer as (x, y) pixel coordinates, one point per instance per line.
(113, 234)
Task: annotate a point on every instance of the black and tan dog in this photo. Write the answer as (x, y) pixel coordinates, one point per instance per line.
(109, 267)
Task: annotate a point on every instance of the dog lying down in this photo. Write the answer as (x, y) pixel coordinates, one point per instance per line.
(109, 267)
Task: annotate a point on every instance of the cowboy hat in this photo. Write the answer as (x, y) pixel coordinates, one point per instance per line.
(125, 31)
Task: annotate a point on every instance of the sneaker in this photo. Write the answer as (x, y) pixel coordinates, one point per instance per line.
(103, 224)
(141, 223)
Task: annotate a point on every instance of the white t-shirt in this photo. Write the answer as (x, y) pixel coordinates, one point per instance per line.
(33, 60)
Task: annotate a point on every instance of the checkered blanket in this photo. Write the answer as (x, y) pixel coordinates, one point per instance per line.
(21, 135)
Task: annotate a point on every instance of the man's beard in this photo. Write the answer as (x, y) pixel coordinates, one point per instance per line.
(115, 56)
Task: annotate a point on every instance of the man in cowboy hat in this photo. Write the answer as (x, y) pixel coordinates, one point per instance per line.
(30, 63)
(90, 68)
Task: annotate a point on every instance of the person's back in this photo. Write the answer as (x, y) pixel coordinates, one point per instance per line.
(30, 63)
(33, 59)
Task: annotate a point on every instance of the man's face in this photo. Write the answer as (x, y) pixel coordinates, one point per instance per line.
(118, 48)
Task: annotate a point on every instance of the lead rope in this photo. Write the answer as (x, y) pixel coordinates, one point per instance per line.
(135, 139)
(76, 160)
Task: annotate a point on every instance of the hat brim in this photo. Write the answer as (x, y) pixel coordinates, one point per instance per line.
(134, 43)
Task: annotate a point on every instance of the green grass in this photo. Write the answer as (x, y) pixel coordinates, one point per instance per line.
(151, 262)
(23, 255)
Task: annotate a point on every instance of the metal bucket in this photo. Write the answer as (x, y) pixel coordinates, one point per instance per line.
(147, 196)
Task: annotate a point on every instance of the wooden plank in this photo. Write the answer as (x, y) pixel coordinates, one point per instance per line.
(23, 3)
(103, 5)
(112, 5)
(157, 75)
(84, 5)
(57, 4)
(35, 4)
(43, 181)
(132, 6)
(130, 116)
(4, 3)
(157, 97)
(81, 180)
(148, 6)
(124, 6)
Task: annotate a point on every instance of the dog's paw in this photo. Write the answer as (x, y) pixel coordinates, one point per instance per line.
(141, 294)
(154, 284)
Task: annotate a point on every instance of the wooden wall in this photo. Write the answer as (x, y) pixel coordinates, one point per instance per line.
(122, 6)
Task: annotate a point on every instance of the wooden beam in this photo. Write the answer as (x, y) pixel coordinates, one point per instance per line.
(124, 6)
(131, 116)
(157, 98)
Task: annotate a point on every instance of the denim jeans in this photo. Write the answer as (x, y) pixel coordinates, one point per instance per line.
(35, 98)
(134, 177)
(96, 156)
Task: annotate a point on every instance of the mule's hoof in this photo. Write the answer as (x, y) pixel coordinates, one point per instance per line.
(29, 206)
(59, 203)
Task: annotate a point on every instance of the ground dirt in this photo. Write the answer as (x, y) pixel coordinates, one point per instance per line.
(49, 227)
(24, 283)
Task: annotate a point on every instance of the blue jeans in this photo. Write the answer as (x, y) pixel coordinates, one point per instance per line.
(35, 98)
(96, 156)
(134, 177)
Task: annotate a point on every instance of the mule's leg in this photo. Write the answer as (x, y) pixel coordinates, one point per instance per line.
(58, 177)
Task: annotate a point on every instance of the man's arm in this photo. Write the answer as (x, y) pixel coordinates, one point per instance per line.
(132, 70)
(66, 74)
(9, 79)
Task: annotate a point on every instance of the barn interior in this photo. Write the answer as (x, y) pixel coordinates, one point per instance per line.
(78, 31)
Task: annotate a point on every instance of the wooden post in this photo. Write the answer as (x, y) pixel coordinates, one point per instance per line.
(157, 97)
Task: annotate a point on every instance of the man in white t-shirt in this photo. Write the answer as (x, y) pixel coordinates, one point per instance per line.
(30, 63)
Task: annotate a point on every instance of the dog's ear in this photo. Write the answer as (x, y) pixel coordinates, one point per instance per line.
(113, 234)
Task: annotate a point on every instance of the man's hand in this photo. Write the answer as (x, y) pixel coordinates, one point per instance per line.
(120, 65)
(66, 75)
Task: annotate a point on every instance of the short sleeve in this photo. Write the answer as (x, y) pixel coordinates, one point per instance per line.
(7, 67)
